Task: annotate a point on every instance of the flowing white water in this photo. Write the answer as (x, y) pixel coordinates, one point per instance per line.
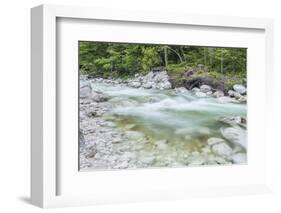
(180, 118)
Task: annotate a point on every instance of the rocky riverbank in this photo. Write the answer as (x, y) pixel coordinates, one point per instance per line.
(106, 144)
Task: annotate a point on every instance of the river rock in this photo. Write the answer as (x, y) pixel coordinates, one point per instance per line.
(235, 120)
(225, 99)
(85, 90)
(239, 158)
(181, 90)
(122, 165)
(147, 85)
(218, 94)
(213, 140)
(188, 73)
(243, 99)
(197, 161)
(135, 84)
(234, 94)
(135, 135)
(222, 149)
(195, 89)
(209, 93)
(240, 89)
(201, 94)
(205, 88)
(165, 85)
(99, 97)
(162, 144)
(236, 135)
(161, 76)
(148, 160)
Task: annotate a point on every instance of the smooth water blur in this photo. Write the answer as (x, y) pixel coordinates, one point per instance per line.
(180, 118)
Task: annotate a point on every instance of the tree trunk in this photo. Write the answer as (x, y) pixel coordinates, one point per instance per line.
(166, 56)
(176, 54)
(211, 55)
(221, 61)
(205, 56)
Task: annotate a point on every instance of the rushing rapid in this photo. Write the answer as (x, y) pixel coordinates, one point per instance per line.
(167, 115)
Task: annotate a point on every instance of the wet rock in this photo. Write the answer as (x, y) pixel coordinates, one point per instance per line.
(148, 160)
(240, 89)
(147, 85)
(220, 160)
(201, 94)
(195, 159)
(181, 90)
(135, 84)
(162, 144)
(122, 165)
(198, 81)
(197, 162)
(85, 90)
(195, 89)
(188, 73)
(165, 85)
(243, 99)
(239, 158)
(222, 149)
(91, 154)
(234, 120)
(161, 76)
(209, 93)
(236, 135)
(225, 99)
(234, 94)
(205, 88)
(212, 141)
(218, 94)
(99, 97)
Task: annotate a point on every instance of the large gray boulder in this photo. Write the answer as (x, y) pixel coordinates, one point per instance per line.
(234, 94)
(165, 85)
(214, 140)
(201, 94)
(218, 94)
(240, 89)
(236, 135)
(85, 90)
(99, 97)
(135, 84)
(147, 85)
(234, 120)
(195, 89)
(181, 90)
(239, 158)
(161, 76)
(205, 88)
(222, 149)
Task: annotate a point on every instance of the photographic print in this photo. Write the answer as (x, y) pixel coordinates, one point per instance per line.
(161, 106)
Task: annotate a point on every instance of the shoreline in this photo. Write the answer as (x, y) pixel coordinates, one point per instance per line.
(104, 145)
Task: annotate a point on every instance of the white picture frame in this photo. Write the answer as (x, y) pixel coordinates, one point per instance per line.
(44, 149)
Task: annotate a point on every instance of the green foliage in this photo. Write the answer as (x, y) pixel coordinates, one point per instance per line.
(124, 60)
(150, 58)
